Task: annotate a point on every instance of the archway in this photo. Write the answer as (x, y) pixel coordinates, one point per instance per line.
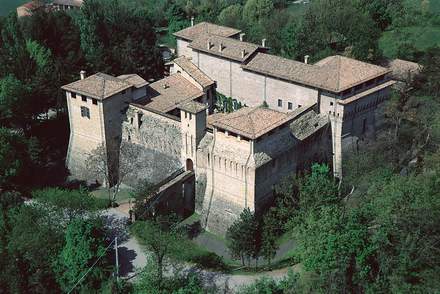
(189, 164)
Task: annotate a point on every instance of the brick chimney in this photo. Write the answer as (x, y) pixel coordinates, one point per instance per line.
(306, 59)
(263, 43)
(242, 36)
(192, 21)
(82, 74)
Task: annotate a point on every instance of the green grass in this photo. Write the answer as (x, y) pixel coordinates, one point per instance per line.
(123, 196)
(421, 37)
(7, 6)
(434, 6)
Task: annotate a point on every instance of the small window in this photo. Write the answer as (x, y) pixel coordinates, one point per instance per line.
(299, 105)
(73, 95)
(280, 103)
(84, 98)
(331, 103)
(94, 101)
(289, 105)
(190, 116)
(85, 112)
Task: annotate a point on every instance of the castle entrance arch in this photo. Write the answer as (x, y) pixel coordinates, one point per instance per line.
(189, 164)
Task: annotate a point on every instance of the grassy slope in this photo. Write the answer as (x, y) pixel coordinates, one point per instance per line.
(422, 37)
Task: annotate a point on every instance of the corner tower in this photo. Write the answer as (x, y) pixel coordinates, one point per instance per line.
(193, 124)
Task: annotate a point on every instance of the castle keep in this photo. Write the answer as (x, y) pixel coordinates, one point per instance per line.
(314, 112)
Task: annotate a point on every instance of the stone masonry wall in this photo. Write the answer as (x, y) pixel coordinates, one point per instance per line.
(160, 139)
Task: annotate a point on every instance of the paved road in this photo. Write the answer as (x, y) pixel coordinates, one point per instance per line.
(133, 257)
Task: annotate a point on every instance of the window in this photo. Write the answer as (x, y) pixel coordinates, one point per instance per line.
(299, 105)
(84, 98)
(331, 103)
(73, 95)
(289, 105)
(94, 101)
(190, 116)
(280, 103)
(85, 112)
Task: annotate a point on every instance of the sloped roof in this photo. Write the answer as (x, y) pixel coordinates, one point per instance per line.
(195, 31)
(344, 73)
(193, 71)
(231, 48)
(253, 122)
(99, 86)
(334, 73)
(308, 124)
(134, 79)
(192, 106)
(166, 94)
(76, 3)
(403, 70)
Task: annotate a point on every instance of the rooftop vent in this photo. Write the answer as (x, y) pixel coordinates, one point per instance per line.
(82, 74)
(220, 47)
(192, 21)
(242, 36)
(208, 45)
(243, 53)
(165, 86)
(263, 43)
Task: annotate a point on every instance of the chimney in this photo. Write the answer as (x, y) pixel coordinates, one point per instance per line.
(165, 86)
(243, 53)
(220, 47)
(263, 43)
(208, 45)
(242, 36)
(192, 21)
(82, 74)
(306, 59)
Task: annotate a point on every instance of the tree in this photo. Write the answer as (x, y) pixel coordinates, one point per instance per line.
(161, 239)
(231, 16)
(113, 165)
(242, 236)
(318, 188)
(85, 243)
(256, 10)
(269, 238)
(119, 39)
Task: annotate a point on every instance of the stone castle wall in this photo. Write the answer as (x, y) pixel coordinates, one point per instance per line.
(159, 137)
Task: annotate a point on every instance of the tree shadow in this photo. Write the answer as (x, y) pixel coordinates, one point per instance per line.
(126, 258)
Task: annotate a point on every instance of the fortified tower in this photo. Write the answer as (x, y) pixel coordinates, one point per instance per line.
(193, 126)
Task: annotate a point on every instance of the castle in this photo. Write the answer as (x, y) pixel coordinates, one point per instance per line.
(312, 112)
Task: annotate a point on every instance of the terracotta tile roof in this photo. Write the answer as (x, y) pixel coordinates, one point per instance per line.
(344, 73)
(195, 31)
(192, 106)
(210, 119)
(99, 86)
(403, 70)
(166, 94)
(366, 93)
(335, 73)
(253, 122)
(231, 48)
(76, 3)
(190, 68)
(134, 79)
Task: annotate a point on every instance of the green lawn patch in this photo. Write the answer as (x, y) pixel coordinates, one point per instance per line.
(123, 196)
(422, 37)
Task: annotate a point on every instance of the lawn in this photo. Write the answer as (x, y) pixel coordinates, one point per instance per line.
(422, 38)
(7, 6)
(123, 196)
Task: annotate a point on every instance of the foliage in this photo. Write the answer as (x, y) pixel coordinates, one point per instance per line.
(161, 239)
(243, 236)
(84, 243)
(71, 203)
(227, 104)
(142, 193)
(289, 284)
